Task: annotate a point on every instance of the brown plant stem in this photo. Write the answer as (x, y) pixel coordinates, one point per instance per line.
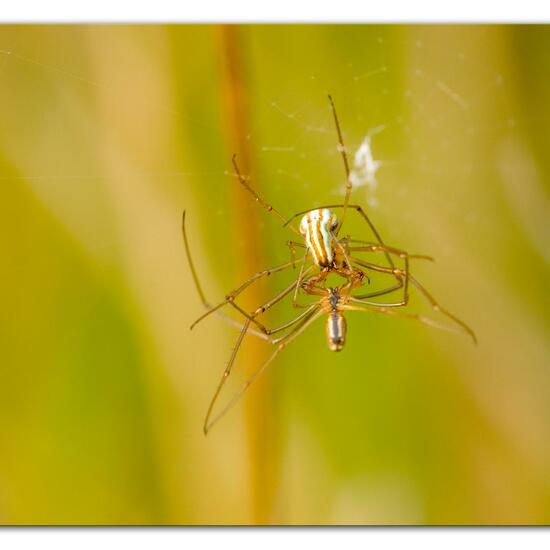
(258, 406)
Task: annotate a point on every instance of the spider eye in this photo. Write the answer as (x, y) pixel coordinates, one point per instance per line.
(333, 223)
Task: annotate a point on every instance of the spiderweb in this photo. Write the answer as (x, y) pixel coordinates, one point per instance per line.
(390, 101)
(435, 134)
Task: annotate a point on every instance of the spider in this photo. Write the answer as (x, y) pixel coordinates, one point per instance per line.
(328, 254)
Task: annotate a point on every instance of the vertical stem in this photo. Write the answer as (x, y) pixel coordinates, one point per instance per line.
(259, 421)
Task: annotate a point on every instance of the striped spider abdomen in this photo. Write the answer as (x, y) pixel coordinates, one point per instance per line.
(317, 227)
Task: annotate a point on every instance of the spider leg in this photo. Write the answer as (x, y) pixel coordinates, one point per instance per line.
(383, 308)
(373, 247)
(245, 329)
(226, 373)
(382, 292)
(394, 313)
(403, 255)
(190, 262)
(402, 277)
(299, 282)
(292, 246)
(429, 298)
(282, 343)
(312, 282)
(342, 149)
(290, 323)
(200, 292)
(301, 319)
(257, 197)
(264, 307)
(342, 249)
(229, 299)
(436, 307)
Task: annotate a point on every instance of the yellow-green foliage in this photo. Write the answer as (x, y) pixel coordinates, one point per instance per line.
(109, 132)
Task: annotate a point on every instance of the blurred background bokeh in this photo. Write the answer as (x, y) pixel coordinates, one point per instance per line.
(108, 132)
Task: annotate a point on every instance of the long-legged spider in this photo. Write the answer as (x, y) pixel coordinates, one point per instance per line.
(327, 254)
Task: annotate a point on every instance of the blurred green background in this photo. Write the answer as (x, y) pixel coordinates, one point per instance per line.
(109, 132)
